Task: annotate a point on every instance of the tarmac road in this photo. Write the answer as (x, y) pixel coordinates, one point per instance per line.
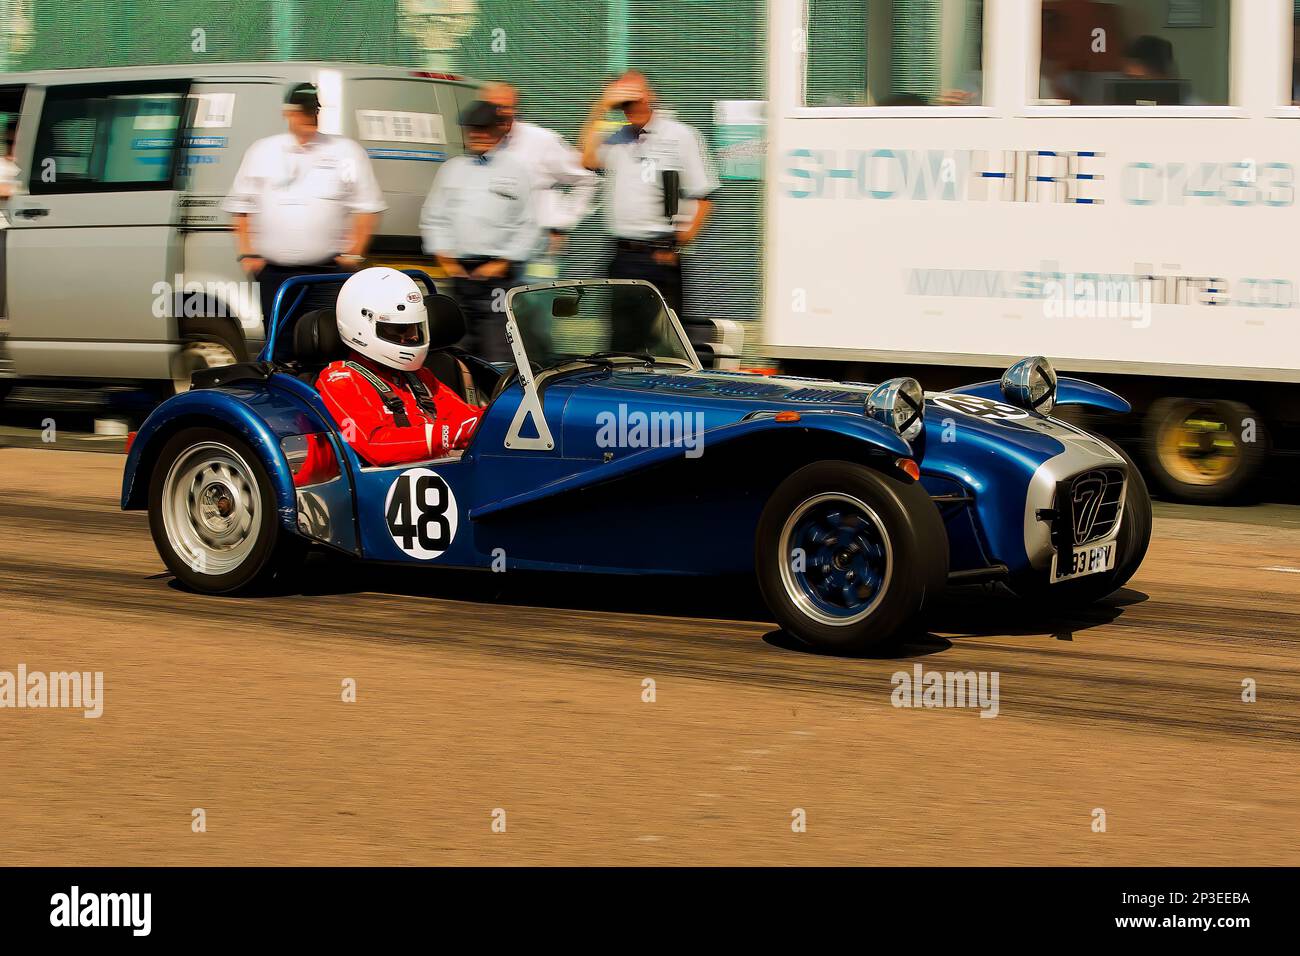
(520, 693)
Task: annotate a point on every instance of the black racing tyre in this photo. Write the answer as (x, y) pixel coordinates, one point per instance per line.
(1197, 449)
(846, 556)
(213, 515)
(1134, 539)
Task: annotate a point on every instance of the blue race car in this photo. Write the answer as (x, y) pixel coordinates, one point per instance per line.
(606, 448)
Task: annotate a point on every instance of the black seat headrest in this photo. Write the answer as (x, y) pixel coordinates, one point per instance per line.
(316, 338)
(446, 321)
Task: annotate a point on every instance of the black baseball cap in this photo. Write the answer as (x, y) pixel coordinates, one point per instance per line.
(305, 97)
(480, 115)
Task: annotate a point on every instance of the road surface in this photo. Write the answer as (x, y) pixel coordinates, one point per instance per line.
(485, 699)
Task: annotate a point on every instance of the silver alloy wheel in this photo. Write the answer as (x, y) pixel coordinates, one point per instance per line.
(211, 508)
(199, 354)
(796, 582)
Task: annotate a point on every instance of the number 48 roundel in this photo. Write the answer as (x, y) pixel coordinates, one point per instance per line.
(420, 511)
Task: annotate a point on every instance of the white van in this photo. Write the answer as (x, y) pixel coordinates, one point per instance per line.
(122, 174)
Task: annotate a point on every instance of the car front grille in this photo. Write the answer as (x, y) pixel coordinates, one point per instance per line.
(1096, 499)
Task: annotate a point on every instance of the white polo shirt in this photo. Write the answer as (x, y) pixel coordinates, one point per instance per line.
(553, 163)
(481, 206)
(634, 161)
(302, 197)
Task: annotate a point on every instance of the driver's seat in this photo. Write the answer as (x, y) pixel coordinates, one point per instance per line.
(472, 379)
(446, 328)
(316, 342)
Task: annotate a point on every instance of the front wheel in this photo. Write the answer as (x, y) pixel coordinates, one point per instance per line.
(846, 556)
(212, 513)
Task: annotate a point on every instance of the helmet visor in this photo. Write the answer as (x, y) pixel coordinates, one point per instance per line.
(400, 333)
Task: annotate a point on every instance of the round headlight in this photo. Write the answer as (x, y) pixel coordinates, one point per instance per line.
(1031, 384)
(900, 404)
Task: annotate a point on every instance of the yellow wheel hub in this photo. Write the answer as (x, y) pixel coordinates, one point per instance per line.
(1198, 448)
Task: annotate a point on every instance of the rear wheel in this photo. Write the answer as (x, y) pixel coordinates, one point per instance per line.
(1204, 450)
(846, 556)
(212, 513)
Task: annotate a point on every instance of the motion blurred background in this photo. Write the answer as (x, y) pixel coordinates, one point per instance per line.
(558, 52)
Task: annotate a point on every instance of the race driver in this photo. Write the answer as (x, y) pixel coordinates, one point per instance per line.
(389, 407)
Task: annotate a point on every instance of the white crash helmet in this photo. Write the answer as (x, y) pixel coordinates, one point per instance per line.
(381, 314)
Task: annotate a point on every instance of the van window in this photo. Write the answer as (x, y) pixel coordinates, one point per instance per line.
(107, 138)
(894, 53)
(1134, 53)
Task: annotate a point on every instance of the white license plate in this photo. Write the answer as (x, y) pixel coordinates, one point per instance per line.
(1085, 560)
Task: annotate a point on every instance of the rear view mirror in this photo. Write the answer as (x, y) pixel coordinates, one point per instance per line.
(564, 306)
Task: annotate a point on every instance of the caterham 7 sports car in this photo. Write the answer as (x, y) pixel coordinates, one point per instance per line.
(606, 448)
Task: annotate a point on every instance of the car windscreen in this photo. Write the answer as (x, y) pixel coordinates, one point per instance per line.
(567, 323)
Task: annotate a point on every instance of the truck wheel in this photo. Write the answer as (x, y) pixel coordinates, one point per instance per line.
(1134, 539)
(846, 556)
(203, 345)
(213, 516)
(1198, 451)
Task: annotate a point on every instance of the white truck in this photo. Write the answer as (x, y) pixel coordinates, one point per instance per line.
(1150, 244)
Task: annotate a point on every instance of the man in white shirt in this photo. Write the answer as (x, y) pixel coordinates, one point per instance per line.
(478, 220)
(303, 202)
(659, 183)
(564, 190)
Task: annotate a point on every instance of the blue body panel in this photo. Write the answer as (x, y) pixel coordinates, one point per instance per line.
(1069, 391)
(261, 414)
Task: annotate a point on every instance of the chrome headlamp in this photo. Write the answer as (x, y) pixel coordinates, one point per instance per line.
(899, 404)
(1031, 384)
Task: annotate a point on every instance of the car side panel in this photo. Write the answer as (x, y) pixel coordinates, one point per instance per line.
(261, 414)
(993, 458)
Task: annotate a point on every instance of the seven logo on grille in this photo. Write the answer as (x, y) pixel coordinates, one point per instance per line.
(1095, 496)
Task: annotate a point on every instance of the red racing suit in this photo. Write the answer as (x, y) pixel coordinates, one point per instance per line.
(385, 418)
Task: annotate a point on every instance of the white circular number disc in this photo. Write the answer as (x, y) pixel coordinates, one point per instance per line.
(421, 514)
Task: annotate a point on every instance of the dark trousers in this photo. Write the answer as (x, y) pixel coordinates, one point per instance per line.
(484, 303)
(633, 326)
(274, 275)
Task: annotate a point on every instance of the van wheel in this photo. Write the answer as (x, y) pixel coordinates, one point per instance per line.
(203, 346)
(1198, 451)
(212, 514)
(846, 556)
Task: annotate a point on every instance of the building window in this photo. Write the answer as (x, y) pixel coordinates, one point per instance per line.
(894, 53)
(1134, 53)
